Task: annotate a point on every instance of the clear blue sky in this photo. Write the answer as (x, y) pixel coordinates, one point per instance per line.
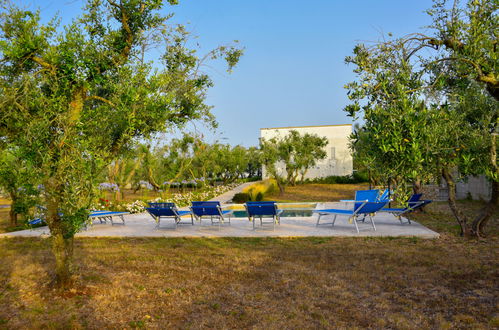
(293, 70)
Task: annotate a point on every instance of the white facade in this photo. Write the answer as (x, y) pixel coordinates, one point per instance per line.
(338, 160)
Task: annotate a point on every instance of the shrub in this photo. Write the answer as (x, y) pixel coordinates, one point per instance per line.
(356, 177)
(360, 177)
(258, 190)
(241, 198)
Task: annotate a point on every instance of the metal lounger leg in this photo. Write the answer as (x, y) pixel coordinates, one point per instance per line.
(355, 222)
(318, 219)
(372, 221)
(334, 220)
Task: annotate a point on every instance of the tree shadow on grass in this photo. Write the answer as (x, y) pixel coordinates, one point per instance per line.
(24, 274)
(323, 283)
(269, 283)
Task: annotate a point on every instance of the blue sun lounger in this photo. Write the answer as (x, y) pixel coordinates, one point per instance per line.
(104, 216)
(211, 209)
(167, 210)
(365, 208)
(263, 209)
(413, 203)
(364, 195)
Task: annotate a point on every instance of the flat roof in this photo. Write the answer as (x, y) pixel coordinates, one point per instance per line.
(306, 126)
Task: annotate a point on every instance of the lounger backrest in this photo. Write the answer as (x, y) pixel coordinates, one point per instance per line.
(261, 202)
(367, 195)
(256, 208)
(206, 203)
(415, 201)
(162, 205)
(203, 210)
(371, 207)
(162, 212)
(385, 195)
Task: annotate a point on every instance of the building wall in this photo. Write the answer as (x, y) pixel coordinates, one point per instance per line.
(338, 160)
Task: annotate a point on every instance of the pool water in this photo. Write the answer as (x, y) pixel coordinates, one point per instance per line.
(285, 213)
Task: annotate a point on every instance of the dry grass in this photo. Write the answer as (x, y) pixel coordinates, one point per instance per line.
(262, 283)
(315, 192)
(403, 283)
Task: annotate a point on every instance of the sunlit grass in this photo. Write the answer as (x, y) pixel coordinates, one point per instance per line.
(253, 282)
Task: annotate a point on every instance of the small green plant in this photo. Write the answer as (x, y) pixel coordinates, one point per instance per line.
(241, 198)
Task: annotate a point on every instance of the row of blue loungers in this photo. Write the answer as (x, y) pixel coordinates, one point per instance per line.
(369, 202)
(102, 216)
(213, 211)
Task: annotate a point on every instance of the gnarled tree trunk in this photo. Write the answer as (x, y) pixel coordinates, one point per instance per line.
(462, 220)
(416, 186)
(62, 240)
(12, 212)
(478, 226)
(487, 212)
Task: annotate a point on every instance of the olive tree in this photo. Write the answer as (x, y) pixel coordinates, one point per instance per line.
(285, 158)
(433, 113)
(18, 181)
(73, 97)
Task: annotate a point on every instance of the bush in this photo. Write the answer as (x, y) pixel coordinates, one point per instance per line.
(356, 177)
(241, 198)
(258, 190)
(360, 177)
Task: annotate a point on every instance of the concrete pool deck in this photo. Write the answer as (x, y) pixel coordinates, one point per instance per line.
(142, 225)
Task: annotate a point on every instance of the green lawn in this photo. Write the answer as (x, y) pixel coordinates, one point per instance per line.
(258, 283)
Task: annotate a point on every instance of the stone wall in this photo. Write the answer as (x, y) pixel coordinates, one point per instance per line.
(476, 188)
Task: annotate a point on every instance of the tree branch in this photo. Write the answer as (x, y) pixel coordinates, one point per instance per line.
(125, 53)
(95, 97)
(43, 63)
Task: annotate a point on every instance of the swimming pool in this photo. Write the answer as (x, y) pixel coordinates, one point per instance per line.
(289, 210)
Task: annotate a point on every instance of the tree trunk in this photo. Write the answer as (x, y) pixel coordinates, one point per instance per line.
(478, 226)
(416, 186)
(13, 216)
(62, 248)
(12, 212)
(62, 241)
(281, 188)
(460, 217)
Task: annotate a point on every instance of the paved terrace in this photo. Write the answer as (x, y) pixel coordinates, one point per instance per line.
(142, 225)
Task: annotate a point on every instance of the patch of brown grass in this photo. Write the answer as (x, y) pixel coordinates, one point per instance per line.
(251, 282)
(4, 219)
(317, 192)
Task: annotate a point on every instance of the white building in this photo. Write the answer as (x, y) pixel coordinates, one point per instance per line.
(338, 160)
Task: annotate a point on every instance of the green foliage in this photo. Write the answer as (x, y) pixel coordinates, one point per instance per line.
(74, 98)
(18, 181)
(241, 198)
(259, 190)
(356, 177)
(190, 157)
(427, 116)
(297, 152)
